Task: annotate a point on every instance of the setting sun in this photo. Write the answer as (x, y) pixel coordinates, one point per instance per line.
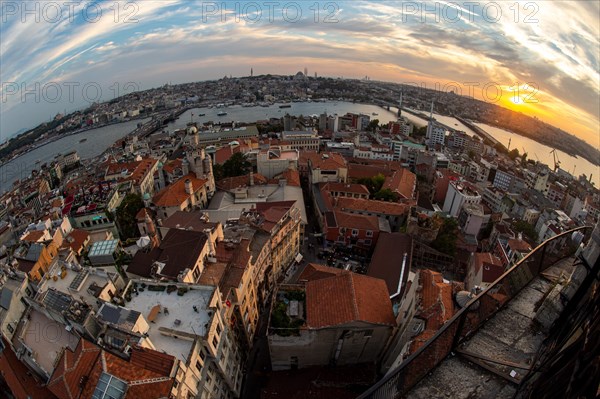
(517, 100)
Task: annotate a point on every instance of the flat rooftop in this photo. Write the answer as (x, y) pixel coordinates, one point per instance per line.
(85, 283)
(176, 313)
(46, 338)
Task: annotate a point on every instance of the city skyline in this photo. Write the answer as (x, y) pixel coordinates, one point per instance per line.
(140, 45)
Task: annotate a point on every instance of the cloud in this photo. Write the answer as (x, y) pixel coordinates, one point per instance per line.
(172, 42)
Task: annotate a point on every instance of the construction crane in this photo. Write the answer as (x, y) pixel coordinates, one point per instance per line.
(556, 160)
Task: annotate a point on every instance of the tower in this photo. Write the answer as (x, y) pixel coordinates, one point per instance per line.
(251, 72)
(161, 176)
(185, 166)
(400, 107)
(429, 125)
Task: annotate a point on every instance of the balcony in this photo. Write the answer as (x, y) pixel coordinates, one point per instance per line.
(490, 347)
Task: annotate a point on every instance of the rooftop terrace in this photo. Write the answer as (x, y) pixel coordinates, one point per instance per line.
(175, 319)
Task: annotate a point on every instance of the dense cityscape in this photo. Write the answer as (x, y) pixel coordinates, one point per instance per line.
(299, 256)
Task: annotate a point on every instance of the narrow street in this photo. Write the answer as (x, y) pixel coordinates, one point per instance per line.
(258, 364)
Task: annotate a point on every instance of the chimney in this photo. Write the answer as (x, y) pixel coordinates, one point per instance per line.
(189, 189)
(251, 179)
(185, 167)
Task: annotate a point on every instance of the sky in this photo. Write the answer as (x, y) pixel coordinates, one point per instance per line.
(540, 58)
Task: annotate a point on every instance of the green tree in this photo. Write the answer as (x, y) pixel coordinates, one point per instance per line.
(445, 241)
(420, 132)
(237, 165)
(513, 153)
(386, 195)
(527, 229)
(373, 125)
(373, 183)
(218, 171)
(126, 212)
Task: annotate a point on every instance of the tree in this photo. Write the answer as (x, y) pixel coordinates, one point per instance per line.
(373, 183)
(420, 132)
(386, 195)
(126, 212)
(373, 125)
(445, 241)
(237, 165)
(513, 153)
(218, 171)
(523, 227)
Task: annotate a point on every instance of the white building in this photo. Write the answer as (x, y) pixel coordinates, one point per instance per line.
(459, 194)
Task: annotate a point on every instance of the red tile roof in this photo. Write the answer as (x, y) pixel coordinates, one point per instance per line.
(345, 298)
(314, 271)
(374, 206)
(34, 235)
(344, 188)
(174, 194)
(355, 221)
(273, 212)
(325, 161)
(170, 166)
(231, 183)
(402, 182)
(519, 245)
(76, 240)
(492, 266)
(147, 374)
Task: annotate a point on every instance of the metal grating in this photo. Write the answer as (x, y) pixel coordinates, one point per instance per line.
(78, 280)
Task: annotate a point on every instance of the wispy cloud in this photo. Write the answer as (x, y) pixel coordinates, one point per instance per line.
(173, 42)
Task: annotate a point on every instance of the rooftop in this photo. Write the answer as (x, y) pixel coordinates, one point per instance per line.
(390, 268)
(185, 315)
(180, 249)
(46, 338)
(86, 283)
(103, 248)
(345, 298)
(175, 194)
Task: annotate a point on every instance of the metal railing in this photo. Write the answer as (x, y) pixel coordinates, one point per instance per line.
(469, 319)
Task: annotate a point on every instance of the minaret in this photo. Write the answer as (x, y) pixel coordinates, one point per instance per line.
(185, 166)
(400, 107)
(161, 176)
(430, 124)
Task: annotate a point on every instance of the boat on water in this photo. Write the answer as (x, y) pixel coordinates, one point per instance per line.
(374, 114)
(222, 113)
(285, 106)
(82, 140)
(201, 114)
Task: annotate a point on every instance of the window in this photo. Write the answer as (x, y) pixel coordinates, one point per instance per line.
(369, 233)
(218, 329)
(198, 365)
(109, 387)
(10, 328)
(354, 232)
(202, 355)
(215, 342)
